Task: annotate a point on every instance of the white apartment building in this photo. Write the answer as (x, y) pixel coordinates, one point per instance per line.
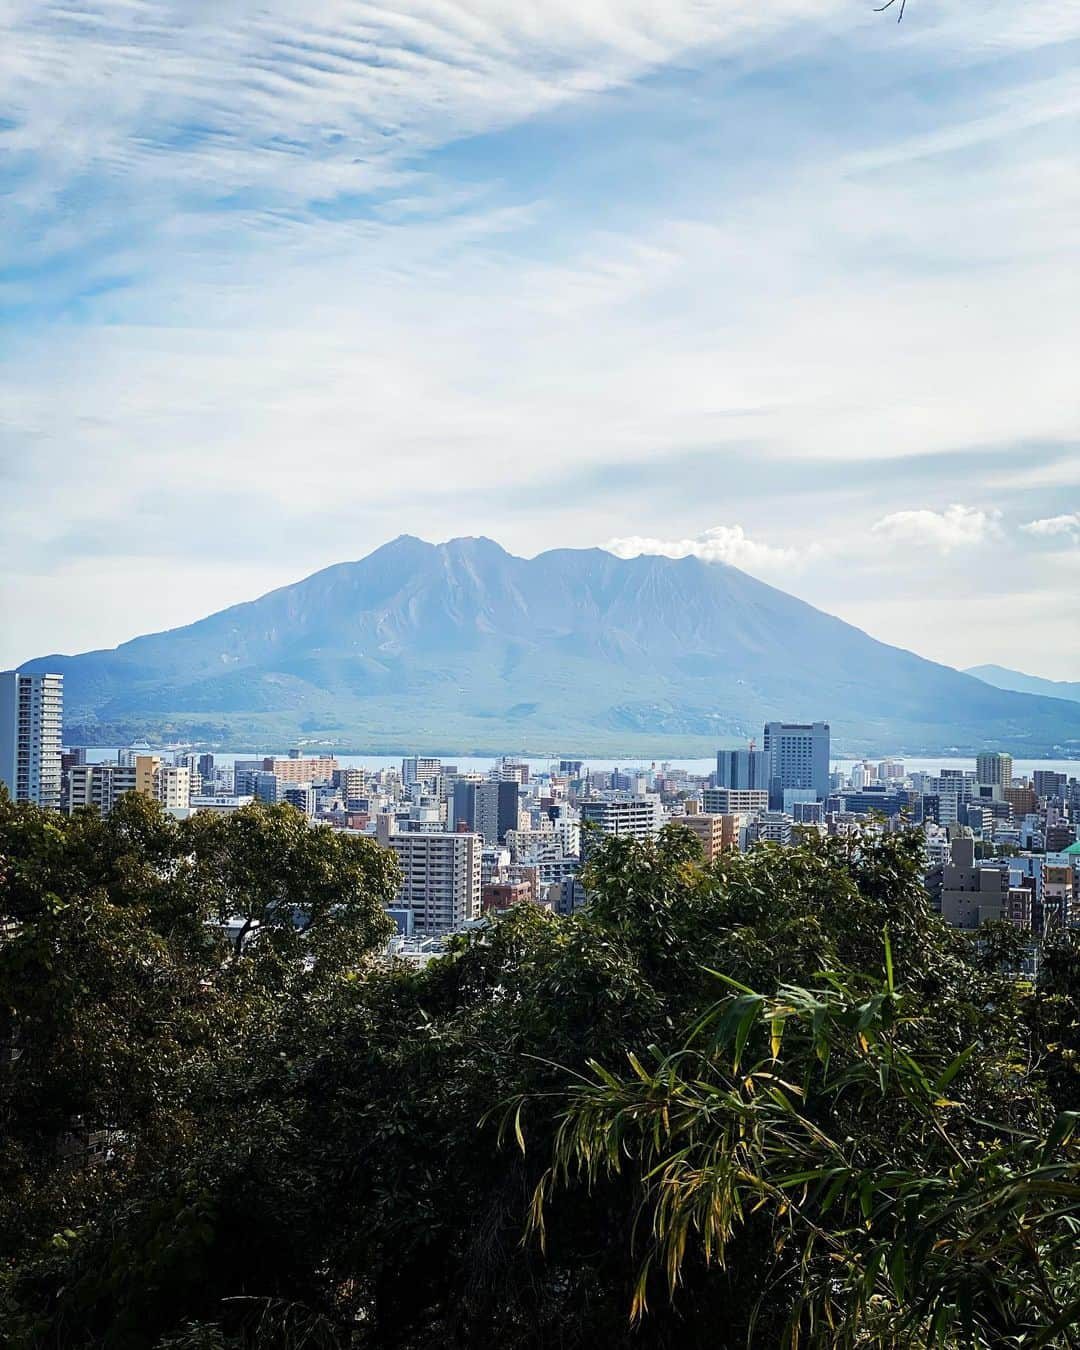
(771, 827)
(172, 787)
(639, 815)
(441, 881)
(90, 785)
(724, 801)
(31, 721)
(101, 785)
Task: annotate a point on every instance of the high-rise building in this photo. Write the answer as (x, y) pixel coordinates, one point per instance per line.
(798, 757)
(742, 769)
(31, 719)
(994, 768)
(440, 875)
(1049, 783)
(420, 771)
(490, 808)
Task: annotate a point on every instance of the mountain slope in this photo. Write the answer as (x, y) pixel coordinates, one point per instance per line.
(461, 646)
(1003, 678)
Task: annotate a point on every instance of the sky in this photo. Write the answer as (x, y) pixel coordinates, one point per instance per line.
(781, 283)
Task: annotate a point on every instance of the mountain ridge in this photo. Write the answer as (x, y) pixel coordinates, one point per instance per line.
(1001, 677)
(466, 644)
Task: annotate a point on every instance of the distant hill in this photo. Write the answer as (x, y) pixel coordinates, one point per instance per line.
(462, 647)
(1002, 678)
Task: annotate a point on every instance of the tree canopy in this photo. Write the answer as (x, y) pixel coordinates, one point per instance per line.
(765, 1101)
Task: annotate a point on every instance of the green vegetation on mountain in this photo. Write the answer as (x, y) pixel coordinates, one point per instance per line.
(462, 647)
(772, 1101)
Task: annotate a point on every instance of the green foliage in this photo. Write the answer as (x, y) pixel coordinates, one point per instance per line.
(118, 990)
(714, 1117)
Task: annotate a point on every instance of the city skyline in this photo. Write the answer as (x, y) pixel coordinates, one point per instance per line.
(786, 285)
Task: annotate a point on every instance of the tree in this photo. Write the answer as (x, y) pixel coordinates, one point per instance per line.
(366, 1146)
(118, 990)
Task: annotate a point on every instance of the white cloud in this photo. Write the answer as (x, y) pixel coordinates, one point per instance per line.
(723, 543)
(957, 527)
(1056, 526)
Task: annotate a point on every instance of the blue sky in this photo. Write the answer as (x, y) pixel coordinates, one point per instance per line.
(783, 284)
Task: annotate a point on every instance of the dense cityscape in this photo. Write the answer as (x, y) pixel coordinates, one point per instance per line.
(998, 846)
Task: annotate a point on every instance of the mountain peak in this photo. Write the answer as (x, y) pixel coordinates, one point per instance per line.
(463, 646)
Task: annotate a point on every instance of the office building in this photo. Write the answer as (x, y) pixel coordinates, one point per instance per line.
(500, 895)
(31, 719)
(440, 875)
(742, 769)
(1023, 800)
(798, 757)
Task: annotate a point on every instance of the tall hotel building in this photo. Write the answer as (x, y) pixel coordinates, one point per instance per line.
(31, 719)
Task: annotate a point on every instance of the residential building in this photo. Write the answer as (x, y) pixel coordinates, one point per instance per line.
(172, 787)
(1049, 783)
(441, 875)
(994, 768)
(723, 801)
(770, 827)
(31, 721)
(295, 768)
(970, 893)
(1023, 800)
(89, 785)
(420, 771)
(718, 833)
(798, 757)
(488, 807)
(639, 816)
(304, 796)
